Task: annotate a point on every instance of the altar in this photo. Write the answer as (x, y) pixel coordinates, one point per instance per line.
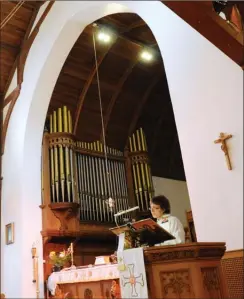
(85, 282)
(181, 271)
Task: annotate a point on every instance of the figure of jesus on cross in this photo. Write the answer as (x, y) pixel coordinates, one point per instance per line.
(222, 139)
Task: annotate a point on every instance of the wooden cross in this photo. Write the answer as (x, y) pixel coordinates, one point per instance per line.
(222, 139)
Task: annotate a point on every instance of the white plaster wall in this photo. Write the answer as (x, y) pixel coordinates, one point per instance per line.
(207, 98)
(206, 91)
(177, 193)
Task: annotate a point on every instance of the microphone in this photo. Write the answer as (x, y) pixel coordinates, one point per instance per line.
(126, 211)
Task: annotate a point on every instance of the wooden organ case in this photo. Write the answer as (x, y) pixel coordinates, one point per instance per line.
(77, 181)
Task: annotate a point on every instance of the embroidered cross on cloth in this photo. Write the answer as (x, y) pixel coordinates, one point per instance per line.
(133, 281)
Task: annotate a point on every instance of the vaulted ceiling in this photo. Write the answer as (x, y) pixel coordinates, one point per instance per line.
(134, 93)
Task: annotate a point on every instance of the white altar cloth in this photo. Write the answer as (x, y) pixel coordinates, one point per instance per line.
(94, 273)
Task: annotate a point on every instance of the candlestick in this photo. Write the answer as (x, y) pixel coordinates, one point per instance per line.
(35, 269)
(72, 257)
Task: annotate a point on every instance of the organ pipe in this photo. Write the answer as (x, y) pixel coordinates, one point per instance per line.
(142, 177)
(77, 171)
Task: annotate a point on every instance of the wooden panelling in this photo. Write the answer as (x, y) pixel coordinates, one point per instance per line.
(232, 266)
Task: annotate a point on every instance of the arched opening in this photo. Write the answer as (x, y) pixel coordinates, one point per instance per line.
(136, 108)
(21, 163)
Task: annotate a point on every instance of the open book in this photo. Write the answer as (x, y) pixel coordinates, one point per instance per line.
(147, 231)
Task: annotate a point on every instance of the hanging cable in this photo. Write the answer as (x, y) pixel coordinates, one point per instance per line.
(110, 201)
(11, 14)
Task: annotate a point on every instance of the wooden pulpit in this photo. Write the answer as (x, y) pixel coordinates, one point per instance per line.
(180, 271)
(185, 271)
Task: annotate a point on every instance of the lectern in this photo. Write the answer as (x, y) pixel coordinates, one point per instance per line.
(145, 232)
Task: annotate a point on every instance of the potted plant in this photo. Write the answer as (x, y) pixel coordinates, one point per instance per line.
(59, 259)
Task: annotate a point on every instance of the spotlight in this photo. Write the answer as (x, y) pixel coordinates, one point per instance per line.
(104, 37)
(147, 56)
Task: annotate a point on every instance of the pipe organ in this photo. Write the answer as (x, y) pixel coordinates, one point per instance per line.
(142, 177)
(62, 156)
(81, 174)
(98, 179)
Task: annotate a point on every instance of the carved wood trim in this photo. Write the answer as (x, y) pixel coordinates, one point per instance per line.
(115, 292)
(142, 103)
(118, 89)
(86, 88)
(64, 212)
(184, 252)
(83, 231)
(176, 283)
(211, 282)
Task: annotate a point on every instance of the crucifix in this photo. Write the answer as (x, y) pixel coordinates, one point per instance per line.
(222, 139)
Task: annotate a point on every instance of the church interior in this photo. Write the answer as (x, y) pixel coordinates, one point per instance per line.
(110, 141)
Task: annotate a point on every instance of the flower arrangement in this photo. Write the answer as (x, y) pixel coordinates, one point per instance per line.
(59, 259)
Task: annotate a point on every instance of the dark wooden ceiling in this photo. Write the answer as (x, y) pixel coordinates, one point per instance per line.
(134, 93)
(12, 36)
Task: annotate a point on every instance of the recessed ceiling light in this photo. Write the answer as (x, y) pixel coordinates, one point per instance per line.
(104, 37)
(146, 55)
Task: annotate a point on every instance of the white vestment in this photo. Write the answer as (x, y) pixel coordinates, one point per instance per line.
(174, 227)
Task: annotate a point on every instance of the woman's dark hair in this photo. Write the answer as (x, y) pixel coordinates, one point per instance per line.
(163, 202)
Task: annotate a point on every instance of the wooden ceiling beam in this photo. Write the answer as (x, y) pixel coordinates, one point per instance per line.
(9, 47)
(28, 30)
(110, 20)
(136, 42)
(120, 34)
(135, 25)
(86, 88)
(31, 5)
(141, 104)
(117, 92)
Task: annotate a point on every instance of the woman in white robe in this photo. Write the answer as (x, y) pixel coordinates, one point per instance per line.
(160, 209)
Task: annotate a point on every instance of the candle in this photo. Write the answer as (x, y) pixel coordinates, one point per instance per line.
(71, 247)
